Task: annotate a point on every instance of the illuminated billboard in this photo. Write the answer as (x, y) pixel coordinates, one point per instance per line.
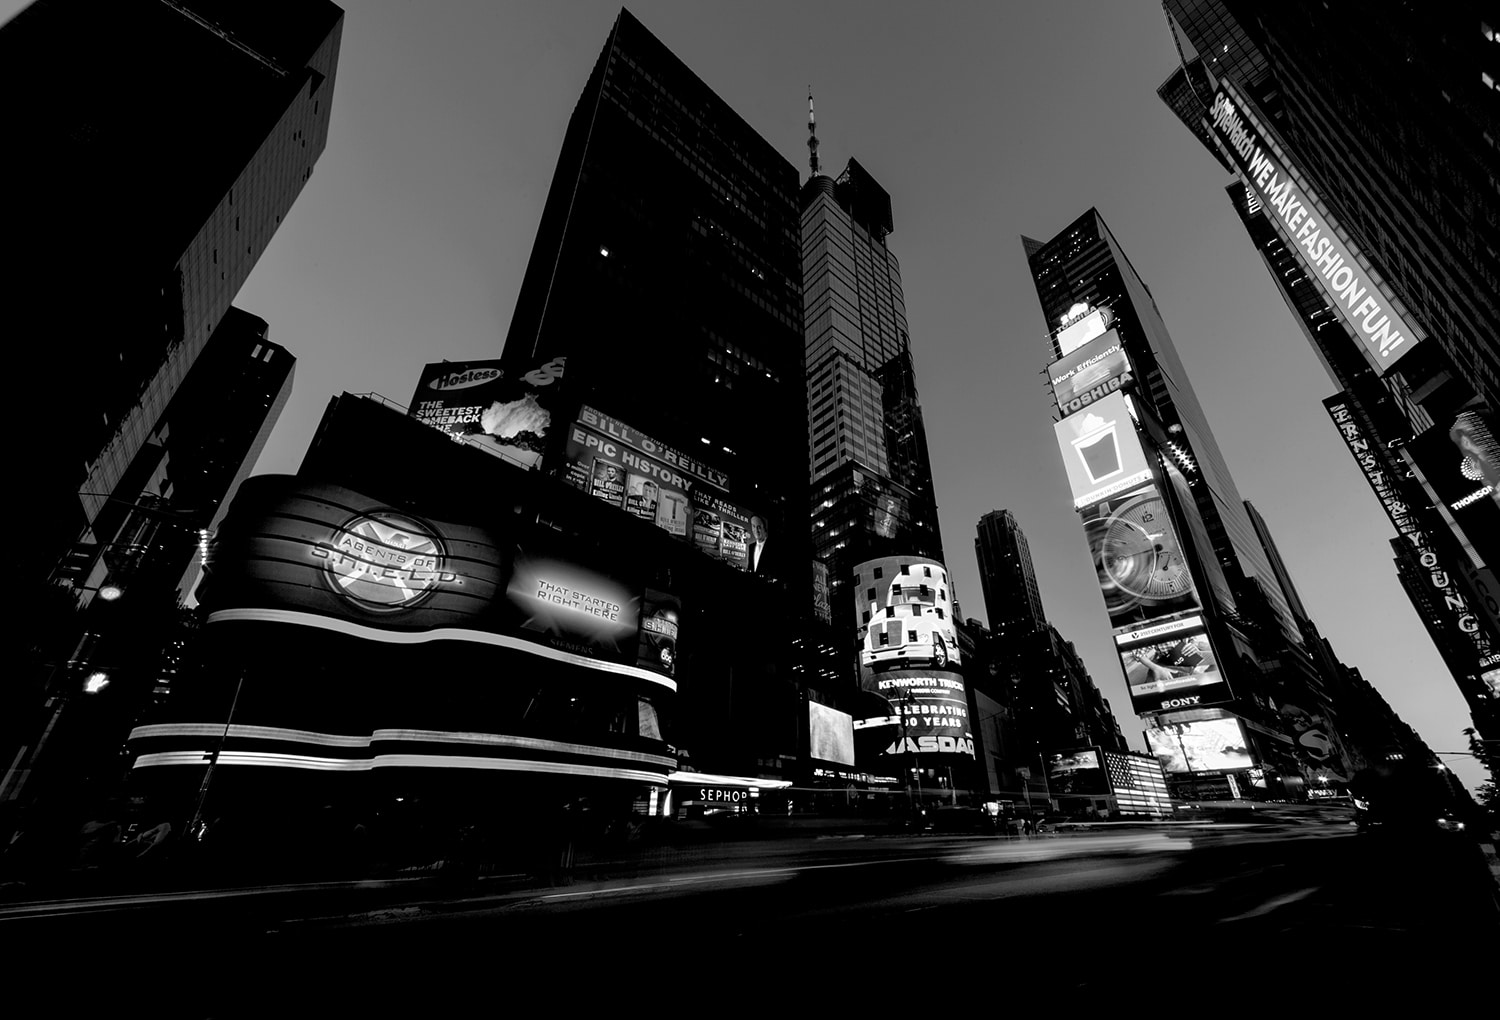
(490, 407)
(1171, 666)
(1200, 745)
(830, 734)
(1082, 324)
(680, 494)
(1384, 335)
(1139, 559)
(1073, 761)
(574, 609)
(1102, 451)
(923, 712)
(311, 554)
(905, 609)
(1090, 373)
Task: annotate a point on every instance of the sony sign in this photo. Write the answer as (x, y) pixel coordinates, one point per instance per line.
(1384, 335)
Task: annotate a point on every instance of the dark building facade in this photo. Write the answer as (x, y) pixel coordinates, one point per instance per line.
(1207, 636)
(174, 145)
(1399, 170)
(665, 270)
(665, 277)
(1007, 578)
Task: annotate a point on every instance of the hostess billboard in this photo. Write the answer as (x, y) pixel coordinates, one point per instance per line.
(1090, 373)
(322, 556)
(1350, 287)
(489, 406)
(1102, 450)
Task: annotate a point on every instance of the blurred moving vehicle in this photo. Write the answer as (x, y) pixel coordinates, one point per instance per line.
(1401, 799)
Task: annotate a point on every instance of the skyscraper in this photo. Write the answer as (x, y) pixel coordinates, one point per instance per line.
(168, 154)
(871, 472)
(1371, 202)
(169, 141)
(1203, 627)
(665, 271)
(664, 289)
(1007, 577)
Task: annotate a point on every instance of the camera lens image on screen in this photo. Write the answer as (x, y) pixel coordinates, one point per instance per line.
(1138, 558)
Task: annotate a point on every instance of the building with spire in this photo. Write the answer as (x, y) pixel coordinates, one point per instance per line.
(871, 475)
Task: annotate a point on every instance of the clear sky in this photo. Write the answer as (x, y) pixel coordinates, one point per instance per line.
(984, 120)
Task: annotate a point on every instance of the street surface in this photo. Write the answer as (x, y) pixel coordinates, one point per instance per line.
(1214, 910)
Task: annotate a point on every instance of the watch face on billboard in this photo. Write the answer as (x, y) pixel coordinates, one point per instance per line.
(1140, 562)
(1090, 373)
(1170, 671)
(1458, 480)
(830, 734)
(905, 609)
(1102, 451)
(1202, 745)
(491, 407)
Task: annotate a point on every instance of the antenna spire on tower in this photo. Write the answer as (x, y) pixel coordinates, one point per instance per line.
(812, 134)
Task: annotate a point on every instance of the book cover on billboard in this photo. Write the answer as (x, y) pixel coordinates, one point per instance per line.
(734, 545)
(607, 482)
(641, 496)
(707, 530)
(672, 512)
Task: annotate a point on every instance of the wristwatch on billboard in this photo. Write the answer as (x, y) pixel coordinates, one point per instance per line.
(1136, 552)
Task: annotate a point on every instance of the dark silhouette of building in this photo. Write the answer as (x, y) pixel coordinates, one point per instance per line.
(665, 274)
(174, 145)
(1006, 576)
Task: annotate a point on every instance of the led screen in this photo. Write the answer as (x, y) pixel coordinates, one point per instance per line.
(1140, 562)
(1177, 670)
(1081, 327)
(1090, 373)
(830, 734)
(1102, 451)
(1204, 745)
(925, 712)
(1073, 761)
(905, 613)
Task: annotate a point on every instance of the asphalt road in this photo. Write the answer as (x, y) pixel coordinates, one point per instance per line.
(1187, 912)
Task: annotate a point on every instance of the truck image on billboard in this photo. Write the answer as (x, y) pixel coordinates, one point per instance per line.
(906, 615)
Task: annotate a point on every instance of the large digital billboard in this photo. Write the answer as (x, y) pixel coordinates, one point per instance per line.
(905, 608)
(298, 551)
(488, 406)
(681, 494)
(1082, 324)
(1384, 335)
(830, 734)
(1102, 451)
(1170, 666)
(923, 712)
(1200, 745)
(1090, 373)
(1140, 561)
